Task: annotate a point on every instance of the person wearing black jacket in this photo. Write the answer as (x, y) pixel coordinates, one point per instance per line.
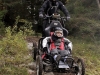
(49, 7)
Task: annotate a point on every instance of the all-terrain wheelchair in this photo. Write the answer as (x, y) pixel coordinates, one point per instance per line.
(46, 63)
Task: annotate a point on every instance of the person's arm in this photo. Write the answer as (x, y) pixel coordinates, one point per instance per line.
(63, 9)
(70, 46)
(45, 41)
(68, 43)
(43, 7)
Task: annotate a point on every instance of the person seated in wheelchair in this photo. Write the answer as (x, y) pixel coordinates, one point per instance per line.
(59, 46)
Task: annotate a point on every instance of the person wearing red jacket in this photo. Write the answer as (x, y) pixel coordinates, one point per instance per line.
(59, 45)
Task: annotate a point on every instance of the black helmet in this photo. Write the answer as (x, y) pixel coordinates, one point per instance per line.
(53, 2)
(58, 32)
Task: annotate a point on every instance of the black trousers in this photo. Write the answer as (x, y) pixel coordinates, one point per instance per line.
(45, 25)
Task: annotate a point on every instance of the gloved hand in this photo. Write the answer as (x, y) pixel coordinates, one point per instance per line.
(45, 49)
(66, 42)
(68, 18)
(41, 15)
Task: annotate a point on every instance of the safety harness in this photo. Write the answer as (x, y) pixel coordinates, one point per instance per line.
(60, 46)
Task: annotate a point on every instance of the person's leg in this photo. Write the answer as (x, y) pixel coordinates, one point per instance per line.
(47, 29)
(64, 52)
(55, 55)
(43, 27)
(54, 52)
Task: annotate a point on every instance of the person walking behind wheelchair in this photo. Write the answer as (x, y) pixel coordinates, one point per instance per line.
(59, 46)
(49, 8)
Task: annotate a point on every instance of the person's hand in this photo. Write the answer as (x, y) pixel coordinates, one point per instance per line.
(44, 49)
(66, 42)
(41, 15)
(68, 18)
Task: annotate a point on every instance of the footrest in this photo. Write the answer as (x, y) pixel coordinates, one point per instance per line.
(62, 65)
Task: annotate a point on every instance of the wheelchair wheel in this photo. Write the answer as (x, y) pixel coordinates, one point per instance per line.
(40, 43)
(80, 69)
(34, 53)
(39, 65)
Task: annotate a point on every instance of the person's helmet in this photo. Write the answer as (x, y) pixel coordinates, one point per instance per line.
(53, 2)
(58, 32)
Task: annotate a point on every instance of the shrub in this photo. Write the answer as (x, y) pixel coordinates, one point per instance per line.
(14, 55)
(2, 26)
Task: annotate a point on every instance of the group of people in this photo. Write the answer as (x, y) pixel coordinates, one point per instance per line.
(59, 45)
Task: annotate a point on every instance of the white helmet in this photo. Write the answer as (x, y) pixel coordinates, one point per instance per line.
(58, 32)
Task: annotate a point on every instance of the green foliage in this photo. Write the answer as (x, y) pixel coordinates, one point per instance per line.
(81, 27)
(2, 26)
(13, 70)
(2, 13)
(89, 52)
(81, 6)
(13, 48)
(84, 27)
(13, 53)
(23, 25)
(84, 21)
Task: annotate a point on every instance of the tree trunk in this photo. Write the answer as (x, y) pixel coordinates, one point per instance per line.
(98, 2)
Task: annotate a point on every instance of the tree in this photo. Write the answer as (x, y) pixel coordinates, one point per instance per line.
(98, 2)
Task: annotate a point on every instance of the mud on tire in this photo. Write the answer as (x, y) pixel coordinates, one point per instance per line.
(39, 65)
(34, 51)
(80, 69)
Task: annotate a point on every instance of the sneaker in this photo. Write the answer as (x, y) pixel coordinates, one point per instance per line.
(58, 58)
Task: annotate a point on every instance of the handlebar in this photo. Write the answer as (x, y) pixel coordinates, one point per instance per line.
(55, 17)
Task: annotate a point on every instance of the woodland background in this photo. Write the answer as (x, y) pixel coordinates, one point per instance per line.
(19, 19)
